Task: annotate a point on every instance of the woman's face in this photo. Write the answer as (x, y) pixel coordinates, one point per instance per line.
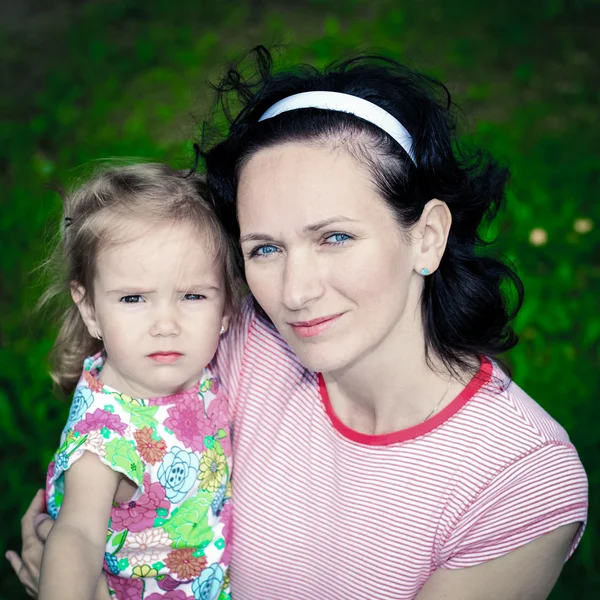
(325, 257)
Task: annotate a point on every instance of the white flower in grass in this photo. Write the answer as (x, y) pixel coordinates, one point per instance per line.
(583, 225)
(538, 236)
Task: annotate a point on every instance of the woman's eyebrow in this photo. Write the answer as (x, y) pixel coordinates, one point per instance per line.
(264, 237)
(325, 222)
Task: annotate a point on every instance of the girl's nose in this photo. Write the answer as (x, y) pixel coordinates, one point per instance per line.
(165, 323)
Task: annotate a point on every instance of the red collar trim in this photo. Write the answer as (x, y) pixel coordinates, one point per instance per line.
(476, 383)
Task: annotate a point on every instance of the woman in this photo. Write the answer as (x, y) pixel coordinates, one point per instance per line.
(381, 452)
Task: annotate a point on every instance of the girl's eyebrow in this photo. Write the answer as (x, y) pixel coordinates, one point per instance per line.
(265, 237)
(132, 291)
(200, 287)
(256, 237)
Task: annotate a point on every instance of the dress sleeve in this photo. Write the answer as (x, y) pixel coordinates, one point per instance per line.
(229, 360)
(101, 422)
(534, 495)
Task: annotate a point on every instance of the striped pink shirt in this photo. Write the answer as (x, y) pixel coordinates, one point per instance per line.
(322, 511)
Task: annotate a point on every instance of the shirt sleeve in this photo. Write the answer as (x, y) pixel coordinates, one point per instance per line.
(105, 424)
(229, 360)
(534, 495)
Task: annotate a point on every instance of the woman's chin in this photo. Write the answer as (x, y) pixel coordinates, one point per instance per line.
(323, 358)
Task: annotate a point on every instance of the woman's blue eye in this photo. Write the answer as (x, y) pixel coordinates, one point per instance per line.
(133, 299)
(194, 297)
(264, 250)
(338, 238)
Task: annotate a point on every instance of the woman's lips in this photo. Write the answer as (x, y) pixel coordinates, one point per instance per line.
(166, 358)
(307, 329)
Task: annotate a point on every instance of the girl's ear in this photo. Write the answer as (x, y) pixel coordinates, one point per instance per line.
(225, 322)
(86, 310)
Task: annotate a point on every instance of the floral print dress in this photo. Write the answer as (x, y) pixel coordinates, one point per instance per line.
(172, 540)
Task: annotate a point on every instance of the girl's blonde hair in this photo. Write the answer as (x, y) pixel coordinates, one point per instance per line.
(96, 215)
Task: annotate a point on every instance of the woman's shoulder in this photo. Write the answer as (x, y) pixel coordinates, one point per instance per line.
(500, 428)
(514, 415)
(517, 475)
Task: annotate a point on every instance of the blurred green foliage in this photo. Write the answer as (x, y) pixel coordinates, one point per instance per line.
(95, 79)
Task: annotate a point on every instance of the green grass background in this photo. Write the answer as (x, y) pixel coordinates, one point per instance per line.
(87, 80)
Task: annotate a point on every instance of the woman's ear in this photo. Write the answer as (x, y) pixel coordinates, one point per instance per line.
(86, 310)
(432, 232)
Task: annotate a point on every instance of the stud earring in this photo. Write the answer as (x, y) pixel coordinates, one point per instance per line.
(223, 330)
(424, 271)
(97, 335)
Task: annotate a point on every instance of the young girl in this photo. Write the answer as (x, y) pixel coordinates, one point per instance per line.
(146, 449)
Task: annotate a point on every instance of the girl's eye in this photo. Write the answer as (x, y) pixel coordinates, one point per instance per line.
(265, 250)
(194, 297)
(337, 238)
(133, 299)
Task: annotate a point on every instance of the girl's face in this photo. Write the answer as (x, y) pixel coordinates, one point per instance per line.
(159, 304)
(325, 256)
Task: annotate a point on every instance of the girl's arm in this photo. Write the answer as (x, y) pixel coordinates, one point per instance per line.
(102, 592)
(74, 551)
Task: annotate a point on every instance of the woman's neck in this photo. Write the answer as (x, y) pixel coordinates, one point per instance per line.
(392, 388)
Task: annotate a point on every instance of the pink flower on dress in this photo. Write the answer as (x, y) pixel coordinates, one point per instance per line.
(125, 589)
(167, 583)
(227, 520)
(146, 547)
(175, 398)
(188, 423)
(218, 413)
(140, 514)
(172, 595)
(98, 420)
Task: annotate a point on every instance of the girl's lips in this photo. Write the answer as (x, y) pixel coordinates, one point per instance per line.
(314, 327)
(166, 358)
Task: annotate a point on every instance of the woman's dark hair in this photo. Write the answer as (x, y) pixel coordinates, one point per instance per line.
(465, 311)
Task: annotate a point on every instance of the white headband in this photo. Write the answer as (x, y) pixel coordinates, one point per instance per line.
(349, 104)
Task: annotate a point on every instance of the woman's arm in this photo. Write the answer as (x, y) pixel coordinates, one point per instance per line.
(528, 573)
(74, 552)
(35, 528)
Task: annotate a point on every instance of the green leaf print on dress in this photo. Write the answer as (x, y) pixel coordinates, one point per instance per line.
(122, 454)
(142, 415)
(188, 527)
(115, 541)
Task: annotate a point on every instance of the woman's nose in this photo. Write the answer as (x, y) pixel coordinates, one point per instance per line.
(301, 282)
